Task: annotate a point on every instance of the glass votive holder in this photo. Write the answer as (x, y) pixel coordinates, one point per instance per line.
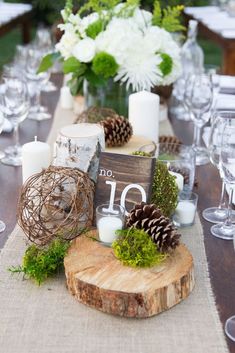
(180, 160)
(185, 212)
(108, 220)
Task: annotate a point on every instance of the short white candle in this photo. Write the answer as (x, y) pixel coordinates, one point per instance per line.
(179, 179)
(107, 227)
(144, 114)
(185, 212)
(66, 99)
(36, 155)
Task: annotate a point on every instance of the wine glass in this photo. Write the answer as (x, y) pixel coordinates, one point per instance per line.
(198, 99)
(14, 104)
(35, 82)
(43, 41)
(230, 323)
(217, 214)
(226, 230)
(2, 224)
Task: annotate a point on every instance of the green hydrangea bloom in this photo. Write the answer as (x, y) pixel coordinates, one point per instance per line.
(104, 65)
(94, 29)
(166, 64)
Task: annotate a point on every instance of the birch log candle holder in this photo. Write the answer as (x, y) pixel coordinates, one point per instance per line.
(79, 146)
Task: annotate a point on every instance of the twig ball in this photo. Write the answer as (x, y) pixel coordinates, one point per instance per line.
(56, 202)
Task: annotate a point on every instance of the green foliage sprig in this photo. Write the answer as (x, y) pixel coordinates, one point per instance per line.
(41, 263)
(141, 154)
(164, 190)
(135, 248)
(168, 18)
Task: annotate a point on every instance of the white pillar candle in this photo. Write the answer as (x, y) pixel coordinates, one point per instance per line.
(36, 156)
(144, 114)
(179, 179)
(185, 212)
(66, 98)
(107, 227)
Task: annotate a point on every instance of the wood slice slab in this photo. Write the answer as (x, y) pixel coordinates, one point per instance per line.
(96, 278)
(133, 145)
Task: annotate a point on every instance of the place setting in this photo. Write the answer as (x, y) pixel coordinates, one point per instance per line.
(117, 212)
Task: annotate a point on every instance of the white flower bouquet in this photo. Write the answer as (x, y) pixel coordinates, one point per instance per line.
(119, 40)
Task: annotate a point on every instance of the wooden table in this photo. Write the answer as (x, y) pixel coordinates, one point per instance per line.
(220, 253)
(23, 20)
(227, 45)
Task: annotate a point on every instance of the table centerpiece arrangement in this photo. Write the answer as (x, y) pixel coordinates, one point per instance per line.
(116, 49)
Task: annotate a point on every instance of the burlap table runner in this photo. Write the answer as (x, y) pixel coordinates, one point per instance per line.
(48, 319)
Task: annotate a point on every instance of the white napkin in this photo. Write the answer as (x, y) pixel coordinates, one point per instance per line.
(225, 102)
(227, 82)
(229, 33)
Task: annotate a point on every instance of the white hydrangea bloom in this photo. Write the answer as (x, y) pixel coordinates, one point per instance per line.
(118, 38)
(84, 50)
(142, 18)
(67, 43)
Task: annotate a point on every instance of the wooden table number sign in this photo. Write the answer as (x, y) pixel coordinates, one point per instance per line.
(124, 180)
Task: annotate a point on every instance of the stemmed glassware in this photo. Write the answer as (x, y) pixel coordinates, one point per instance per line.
(198, 99)
(2, 224)
(14, 104)
(226, 230)
(43, 42)
(35, 82)
(230, 323)
(217, 214)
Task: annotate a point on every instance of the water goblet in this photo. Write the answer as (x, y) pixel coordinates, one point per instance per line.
(2, 224)
(230, 323)
(198, 99)
(226, 230)
(14, 104)
(217, 214)
(35, 82)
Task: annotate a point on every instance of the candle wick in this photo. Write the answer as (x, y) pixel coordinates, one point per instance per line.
(35, 138)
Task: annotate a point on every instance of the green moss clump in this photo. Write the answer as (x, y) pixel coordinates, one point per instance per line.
(41, 263)
(104, 65)
(135, 248)
(164, 190)
(141, 154)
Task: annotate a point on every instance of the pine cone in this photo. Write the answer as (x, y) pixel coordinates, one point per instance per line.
(159, 227)
(185, 173)
(169, 139)
(95, 115)
(169, 144)
(117, 130)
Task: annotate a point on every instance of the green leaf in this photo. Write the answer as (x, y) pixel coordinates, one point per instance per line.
(76, 85)
(72, 65)
(48, 61)
(94, 79)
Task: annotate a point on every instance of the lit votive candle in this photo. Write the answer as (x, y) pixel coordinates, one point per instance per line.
(186, 209)
(179, 180)
(36, 156)
(109, 219)
(107, 227)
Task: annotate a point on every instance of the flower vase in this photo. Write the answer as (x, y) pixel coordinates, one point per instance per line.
(113, 95)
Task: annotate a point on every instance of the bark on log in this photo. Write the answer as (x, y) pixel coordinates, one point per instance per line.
(79, 146)
(96, 278)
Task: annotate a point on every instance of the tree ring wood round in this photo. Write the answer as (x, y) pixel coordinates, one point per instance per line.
(96, 278)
